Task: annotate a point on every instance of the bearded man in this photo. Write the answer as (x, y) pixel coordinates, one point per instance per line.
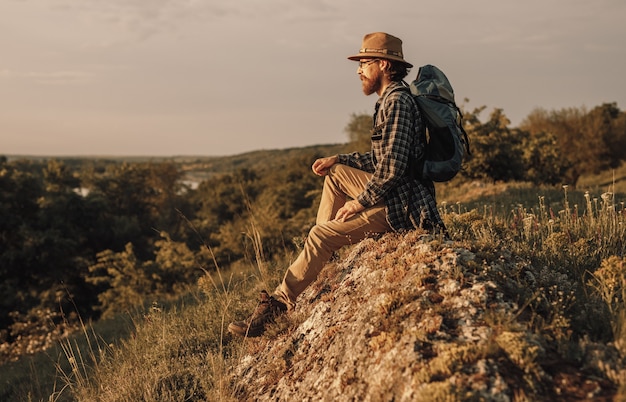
(364, 194)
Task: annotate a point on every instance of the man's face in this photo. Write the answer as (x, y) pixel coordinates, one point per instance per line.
(371, 75)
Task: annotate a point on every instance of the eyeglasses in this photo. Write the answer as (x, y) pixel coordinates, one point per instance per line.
(363, 64)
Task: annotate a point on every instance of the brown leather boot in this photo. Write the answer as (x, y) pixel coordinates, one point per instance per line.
(267, 310)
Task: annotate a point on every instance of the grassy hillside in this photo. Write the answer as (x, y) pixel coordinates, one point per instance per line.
(612, 180)
(525, 304)
(520, 306)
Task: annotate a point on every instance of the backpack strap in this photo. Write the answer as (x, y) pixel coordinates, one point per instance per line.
(415, 167)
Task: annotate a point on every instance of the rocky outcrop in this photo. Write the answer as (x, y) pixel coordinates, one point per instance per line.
(408, 318)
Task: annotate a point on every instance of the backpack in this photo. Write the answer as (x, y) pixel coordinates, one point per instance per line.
(447, 141)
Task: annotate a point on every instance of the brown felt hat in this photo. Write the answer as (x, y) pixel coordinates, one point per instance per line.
(380, 45)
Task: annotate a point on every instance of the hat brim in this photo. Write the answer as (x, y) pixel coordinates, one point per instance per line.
(366, 55)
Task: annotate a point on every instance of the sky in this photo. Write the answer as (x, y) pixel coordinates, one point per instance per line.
(223, 77)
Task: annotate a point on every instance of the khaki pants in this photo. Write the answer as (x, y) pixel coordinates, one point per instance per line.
(329, 235)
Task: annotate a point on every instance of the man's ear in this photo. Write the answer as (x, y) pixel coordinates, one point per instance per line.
(384, 65)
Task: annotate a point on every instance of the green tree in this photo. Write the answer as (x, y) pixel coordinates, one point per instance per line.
(51, 234)
(44, 252)
(278, 204)
(542, 162)
(286, 208)
(19, 212)
(587, 141)
(122, 280)
(359, 132)
(137, 201)
(177, 265)
(58, 178)
(609, 124)
(496, 148)
(220, 207)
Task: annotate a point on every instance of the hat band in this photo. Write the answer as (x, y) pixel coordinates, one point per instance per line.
(384, 51)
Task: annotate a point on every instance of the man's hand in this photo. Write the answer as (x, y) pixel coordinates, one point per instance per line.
(320, 167)
(348, 210)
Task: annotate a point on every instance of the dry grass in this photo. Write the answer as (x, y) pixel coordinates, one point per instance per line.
(538, 271)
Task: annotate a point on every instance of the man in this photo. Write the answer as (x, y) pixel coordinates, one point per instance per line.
(384, 195)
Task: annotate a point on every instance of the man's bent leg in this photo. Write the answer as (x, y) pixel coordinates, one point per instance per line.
(341, 180)
(322, 241)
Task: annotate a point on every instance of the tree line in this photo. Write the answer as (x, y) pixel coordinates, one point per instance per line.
(99, 238)
(549, 147)
(95, 239)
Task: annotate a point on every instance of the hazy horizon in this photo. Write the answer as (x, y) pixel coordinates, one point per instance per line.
(196, 78)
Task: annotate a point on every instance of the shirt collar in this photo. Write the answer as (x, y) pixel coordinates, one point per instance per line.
(389, 88)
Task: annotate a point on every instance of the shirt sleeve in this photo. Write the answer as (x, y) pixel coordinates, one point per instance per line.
(358, 161)
(391, 146)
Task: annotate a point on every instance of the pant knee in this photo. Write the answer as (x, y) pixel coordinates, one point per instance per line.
(336, 169)
(325, 239)
(316, 234)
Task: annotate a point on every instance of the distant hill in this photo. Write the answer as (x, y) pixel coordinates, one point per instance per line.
(198, 168)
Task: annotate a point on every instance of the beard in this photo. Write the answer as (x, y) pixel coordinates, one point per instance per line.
(371, 84)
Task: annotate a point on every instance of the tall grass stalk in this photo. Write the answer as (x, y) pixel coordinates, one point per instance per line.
(255, 236)
(183, 353)
(82, 362)
(571, 252)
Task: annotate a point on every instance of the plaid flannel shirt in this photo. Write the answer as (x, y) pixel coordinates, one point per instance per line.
(397, 139)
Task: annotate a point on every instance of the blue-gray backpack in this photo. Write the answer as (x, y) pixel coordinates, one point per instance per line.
(447, 141)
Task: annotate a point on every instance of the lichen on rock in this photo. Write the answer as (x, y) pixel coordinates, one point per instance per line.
(407, 318)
